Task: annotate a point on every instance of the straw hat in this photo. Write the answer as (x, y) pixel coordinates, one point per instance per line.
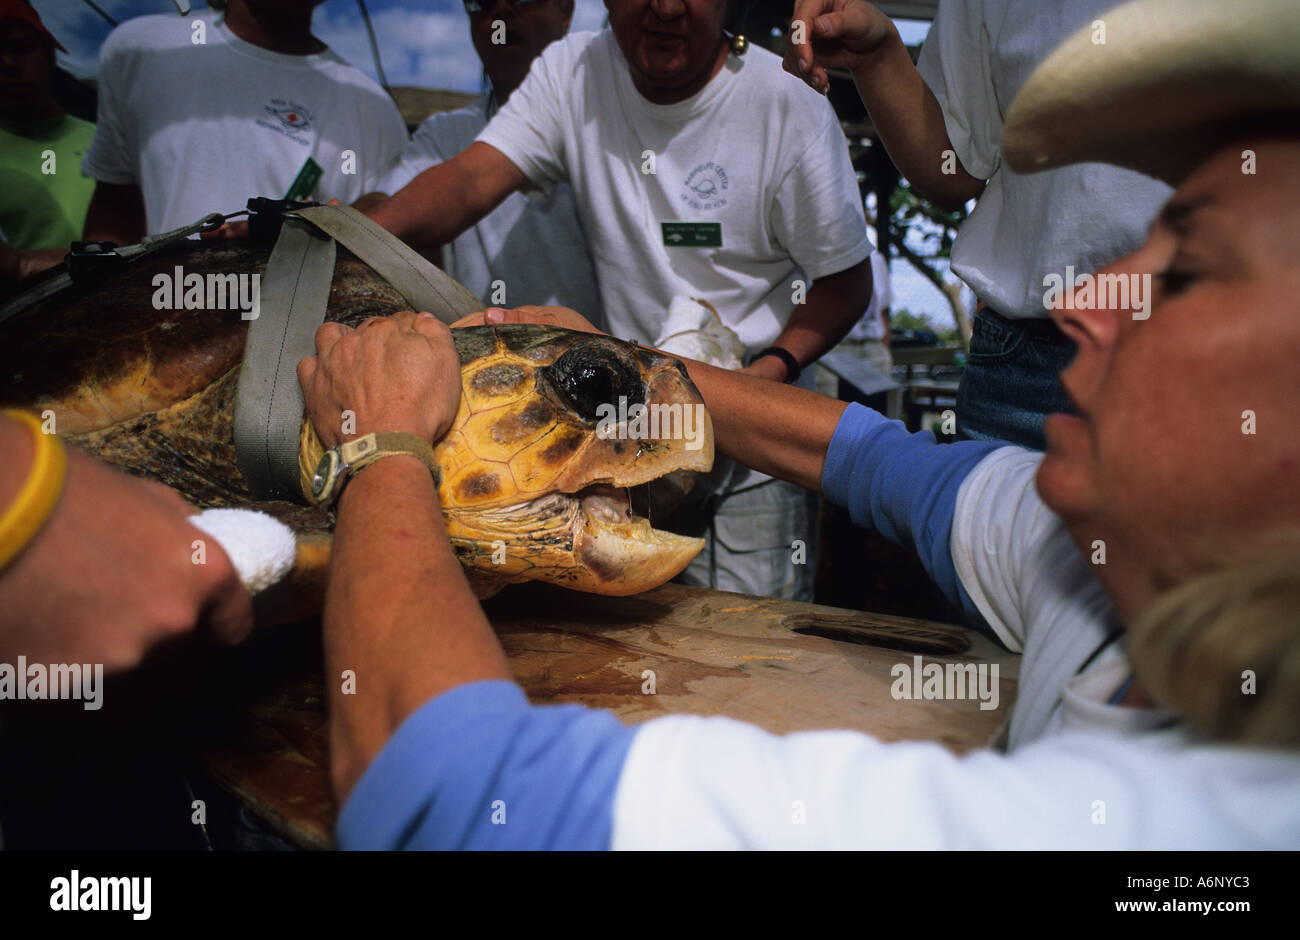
(1169, 85)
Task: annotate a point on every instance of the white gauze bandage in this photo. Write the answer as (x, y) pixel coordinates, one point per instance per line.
(261, 548)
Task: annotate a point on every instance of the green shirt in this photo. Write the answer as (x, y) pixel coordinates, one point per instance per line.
(43, 193)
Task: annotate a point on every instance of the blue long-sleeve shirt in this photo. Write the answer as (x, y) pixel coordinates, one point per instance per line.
(479, 768)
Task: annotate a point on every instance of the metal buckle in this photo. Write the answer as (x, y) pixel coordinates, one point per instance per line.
(88, 261)
(266, 216)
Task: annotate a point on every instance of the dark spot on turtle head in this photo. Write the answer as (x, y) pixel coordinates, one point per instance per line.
(603, 568)
(480, 484)
(497, 380)
(525, 423)
(596, 373)
(473, 342)
(563, 447)
(531, 340)
(536, 414)
(618, 446)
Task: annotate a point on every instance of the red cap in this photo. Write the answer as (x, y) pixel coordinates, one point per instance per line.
(18, 10)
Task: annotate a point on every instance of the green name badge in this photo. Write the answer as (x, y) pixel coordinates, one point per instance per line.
(692, 234)
(305, 181)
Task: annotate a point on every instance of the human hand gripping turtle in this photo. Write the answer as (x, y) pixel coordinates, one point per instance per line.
(562, 317)
(397, 373)
(392, 564)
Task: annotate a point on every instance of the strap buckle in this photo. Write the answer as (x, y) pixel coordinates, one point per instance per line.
(266, 216)
(89, 261)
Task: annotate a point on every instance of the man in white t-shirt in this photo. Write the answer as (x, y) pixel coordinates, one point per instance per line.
(941, 120)
(197, 115)
(527, 250)
(695, 172)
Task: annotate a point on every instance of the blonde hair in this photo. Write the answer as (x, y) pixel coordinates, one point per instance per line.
(1223, 648)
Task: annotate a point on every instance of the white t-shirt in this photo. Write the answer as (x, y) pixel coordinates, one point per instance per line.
(755, 157)
(534, 247)
(975, 59)
(200, 128)
(872, 324)
(1036, 591)
(1079, 772)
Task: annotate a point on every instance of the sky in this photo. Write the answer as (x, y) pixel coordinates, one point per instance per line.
(423, 43)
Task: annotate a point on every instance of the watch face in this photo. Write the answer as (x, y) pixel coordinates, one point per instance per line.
(326, 475)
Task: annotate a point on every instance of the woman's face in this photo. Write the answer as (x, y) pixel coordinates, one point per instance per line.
(1187, 438)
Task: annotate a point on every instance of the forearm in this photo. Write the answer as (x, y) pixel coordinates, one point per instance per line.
(116, 214)
(409, 628)
(832, 306)
(905, 487)
(10, 269)
(910, 122)
(446, 199)
(370, 202)
(777, 429)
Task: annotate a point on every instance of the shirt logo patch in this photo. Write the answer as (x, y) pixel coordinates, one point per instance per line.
(290, 117)
(706, 187)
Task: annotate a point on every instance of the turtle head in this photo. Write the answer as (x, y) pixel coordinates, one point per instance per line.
(554, 430)
(561, 427)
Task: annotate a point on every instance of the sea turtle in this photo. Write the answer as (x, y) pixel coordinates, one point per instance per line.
(532, 487)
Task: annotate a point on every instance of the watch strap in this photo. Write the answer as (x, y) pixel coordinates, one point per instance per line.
(362, 452)
(791, 363)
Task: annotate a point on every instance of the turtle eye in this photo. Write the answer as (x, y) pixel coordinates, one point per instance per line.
(595, 374)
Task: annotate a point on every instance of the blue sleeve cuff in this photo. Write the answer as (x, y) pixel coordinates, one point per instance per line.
(479, 768)
(905, 487)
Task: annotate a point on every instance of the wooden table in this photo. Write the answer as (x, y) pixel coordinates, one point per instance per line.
(781, 665)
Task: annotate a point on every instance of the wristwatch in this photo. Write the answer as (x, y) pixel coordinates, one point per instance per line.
(791, 363)
(346, 460)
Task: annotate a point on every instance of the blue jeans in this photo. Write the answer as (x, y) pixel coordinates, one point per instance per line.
(1012, 379)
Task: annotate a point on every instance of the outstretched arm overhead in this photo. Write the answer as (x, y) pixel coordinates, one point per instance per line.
(855, 35)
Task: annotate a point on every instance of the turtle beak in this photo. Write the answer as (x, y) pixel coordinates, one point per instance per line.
(630, 557)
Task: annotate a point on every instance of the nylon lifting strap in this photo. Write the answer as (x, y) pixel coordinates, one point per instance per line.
(422, 284)
(295, 293)
(269, 404)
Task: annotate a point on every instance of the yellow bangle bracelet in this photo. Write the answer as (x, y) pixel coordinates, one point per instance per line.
(40, 492)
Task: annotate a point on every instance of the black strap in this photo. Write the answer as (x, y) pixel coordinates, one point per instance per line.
(81, 261)
(791, 363)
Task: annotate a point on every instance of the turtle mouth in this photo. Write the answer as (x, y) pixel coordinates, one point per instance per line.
(621, 552)
(590, 540)
(605, 503)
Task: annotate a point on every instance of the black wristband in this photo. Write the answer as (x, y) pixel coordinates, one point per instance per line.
(791, 363)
